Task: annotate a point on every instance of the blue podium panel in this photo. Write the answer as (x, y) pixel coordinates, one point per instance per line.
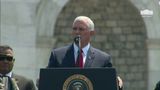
(78, 79)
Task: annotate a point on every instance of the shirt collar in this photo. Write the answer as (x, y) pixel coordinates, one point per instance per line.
(8, 74)
(85, 49)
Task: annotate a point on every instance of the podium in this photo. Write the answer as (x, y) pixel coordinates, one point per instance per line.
(78, 79)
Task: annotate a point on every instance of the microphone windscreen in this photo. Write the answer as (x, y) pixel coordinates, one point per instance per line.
(77, 39)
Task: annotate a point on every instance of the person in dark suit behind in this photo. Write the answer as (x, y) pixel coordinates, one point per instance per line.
(6, 64)
(83, 29)
(157, 86)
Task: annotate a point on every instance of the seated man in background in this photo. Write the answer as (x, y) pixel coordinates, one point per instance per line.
(15, 82)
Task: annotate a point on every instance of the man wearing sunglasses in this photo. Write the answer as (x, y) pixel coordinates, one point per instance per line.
(15, 82)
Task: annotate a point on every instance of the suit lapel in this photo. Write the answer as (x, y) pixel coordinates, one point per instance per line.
(90, 57)
(69, 58)
(15, 77)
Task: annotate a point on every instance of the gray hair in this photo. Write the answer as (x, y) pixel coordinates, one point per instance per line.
(89, 23)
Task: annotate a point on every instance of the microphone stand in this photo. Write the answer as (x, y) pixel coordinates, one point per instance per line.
(77, 41)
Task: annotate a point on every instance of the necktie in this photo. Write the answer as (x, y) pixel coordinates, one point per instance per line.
(79, 61)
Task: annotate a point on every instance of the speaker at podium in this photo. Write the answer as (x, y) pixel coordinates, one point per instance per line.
(78, 79)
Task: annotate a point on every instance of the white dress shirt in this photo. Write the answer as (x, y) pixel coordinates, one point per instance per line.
(85, 50)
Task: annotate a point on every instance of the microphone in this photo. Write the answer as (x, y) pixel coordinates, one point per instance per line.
(77, 40)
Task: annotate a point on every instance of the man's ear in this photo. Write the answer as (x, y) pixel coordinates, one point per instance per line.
(92, 33)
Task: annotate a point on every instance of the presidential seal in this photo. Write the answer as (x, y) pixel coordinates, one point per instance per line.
(77, 82)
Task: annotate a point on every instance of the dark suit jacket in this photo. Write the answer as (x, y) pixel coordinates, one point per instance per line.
(157, 86)
(24, 83)
(64, 57)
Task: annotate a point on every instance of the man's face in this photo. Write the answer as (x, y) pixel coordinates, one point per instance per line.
(6, 61)
(81, 28)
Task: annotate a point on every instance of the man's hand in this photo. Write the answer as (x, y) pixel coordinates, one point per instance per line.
(120, 82)
(37, 82)
(1, 84)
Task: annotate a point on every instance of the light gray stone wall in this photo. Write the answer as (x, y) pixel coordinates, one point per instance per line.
(27, 26)
(153, 32)
(18, 30)
(120, 31)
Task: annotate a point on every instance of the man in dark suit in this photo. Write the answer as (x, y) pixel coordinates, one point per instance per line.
(17, 82)
(157, 86)
(64, 57)
(83, 29)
